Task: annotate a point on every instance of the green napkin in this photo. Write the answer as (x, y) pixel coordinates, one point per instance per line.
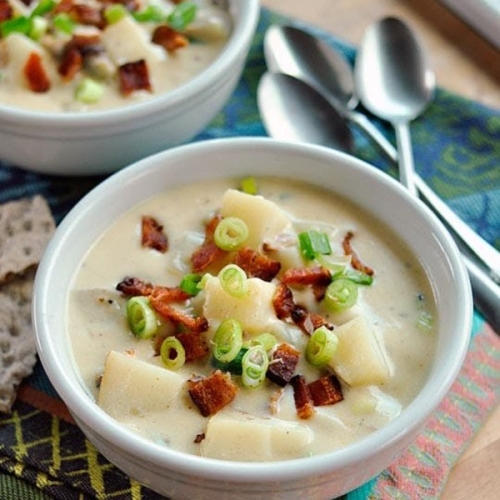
(44, 455)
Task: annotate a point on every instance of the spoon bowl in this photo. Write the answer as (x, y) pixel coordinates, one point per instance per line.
(282, 99)
(395, 83)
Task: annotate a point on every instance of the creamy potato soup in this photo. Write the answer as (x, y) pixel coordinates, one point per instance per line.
(254, 319)
(84, 55)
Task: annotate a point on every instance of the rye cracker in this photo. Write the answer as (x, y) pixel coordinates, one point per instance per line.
(26, 226)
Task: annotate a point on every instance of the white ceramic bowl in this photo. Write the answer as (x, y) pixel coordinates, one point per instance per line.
(182, 476)
(100, 142)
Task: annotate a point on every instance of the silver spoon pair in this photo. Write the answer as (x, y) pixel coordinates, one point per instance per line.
(310, 96)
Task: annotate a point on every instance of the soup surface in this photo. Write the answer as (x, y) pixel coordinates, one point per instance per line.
(84, 55)
(379, 347)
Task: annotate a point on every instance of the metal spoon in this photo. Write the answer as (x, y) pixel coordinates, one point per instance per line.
(284, 96)
(312, 130)
(290, 50)
(395, 82)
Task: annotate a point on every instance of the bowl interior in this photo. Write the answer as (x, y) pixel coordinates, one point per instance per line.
(363, 184)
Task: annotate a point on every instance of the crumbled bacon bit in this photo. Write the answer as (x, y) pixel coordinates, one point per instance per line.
(134, 76)
(6, 11)
(199, 438)
(135, 286)
(169, 39)
(70, 64)
(307, 276)
(307, 321)
(283, 302)
(38, 80)
(326, 391)
(194, 345)
(256, 264)
(152, 235)
(355, 260)
(302, 397)
(212, 393)
(177, 316)
(208, 252)
(283, 363)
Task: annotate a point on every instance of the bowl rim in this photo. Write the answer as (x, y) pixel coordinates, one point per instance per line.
(239, 40)
(142, 448)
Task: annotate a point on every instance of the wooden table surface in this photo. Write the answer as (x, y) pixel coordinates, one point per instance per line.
(466, 64)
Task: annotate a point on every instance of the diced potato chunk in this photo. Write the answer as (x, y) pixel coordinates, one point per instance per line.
(125, 42)
(254, 311)
(131, 387)
(264, 219)
(359, 359)
(18, 48)
(237, 436)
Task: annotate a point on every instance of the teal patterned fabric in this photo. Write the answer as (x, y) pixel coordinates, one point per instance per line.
(457, 150)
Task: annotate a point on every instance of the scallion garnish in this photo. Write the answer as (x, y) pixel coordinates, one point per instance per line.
(228, 340)
(190, 283)
(43, 7)
(114, 13)
(233, 366)
(141, 317)
(151, 14)
(182, 15)
(254, 366)
(321, 346)
(230, 233)
(341, 294)
(63, 22)
(249, 185)
(39, 26)
(233, 280)
(358, 277)
(266, 340)
(313, 243)
(172, 353)
(89, 91)
(20, 24)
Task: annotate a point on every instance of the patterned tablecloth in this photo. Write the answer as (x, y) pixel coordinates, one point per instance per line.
(44, 455)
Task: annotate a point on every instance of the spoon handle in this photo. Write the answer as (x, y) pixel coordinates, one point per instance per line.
(361, 121)
(485, 252)
(486, 294)
(406, 164)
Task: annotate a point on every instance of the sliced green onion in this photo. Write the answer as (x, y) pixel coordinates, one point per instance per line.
(358, 277)
(115, 12)
(425, 321)
(234, 280)
(20, 24)
(254, 366)
(63, 22)
(313, 243)
(321, 346)
(266, 340)
(182, 15)
(190, 283)
(230, 233)
(39, 26)
(228, 340)
(89, 91)
(43, 7)
(233, 366)
(249, 185)
(151, 14)
(340, 295)
(141, 317)
(172, 353)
